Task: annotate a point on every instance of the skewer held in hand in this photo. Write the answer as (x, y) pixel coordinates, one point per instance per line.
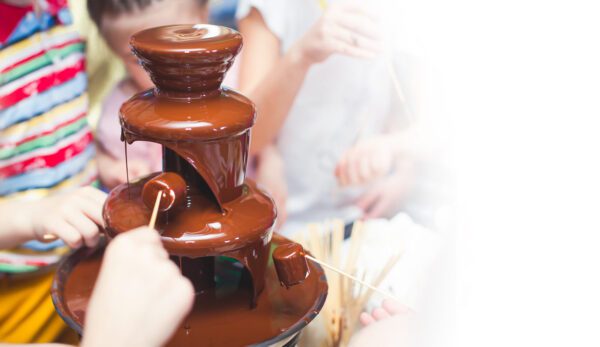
(155, 209)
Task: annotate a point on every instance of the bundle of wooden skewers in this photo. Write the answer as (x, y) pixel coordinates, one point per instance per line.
(346, 298)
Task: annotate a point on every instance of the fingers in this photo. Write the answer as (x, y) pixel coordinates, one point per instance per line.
(379, 313)
(353, 33)
(388, 309)
(366, 319)
(348, 169)
(361, 25)
(364, 169)
(382, 205)
(145, 241)
(91, 201)
(88, 230)
(394, 307)
(352, 168)
(341, 170)
(65, 231)
(151, 237)
(380, 164)
(94, 194)
(142, 235)
(352, 49)
(363, 163)
(367, 199)
(81, 213)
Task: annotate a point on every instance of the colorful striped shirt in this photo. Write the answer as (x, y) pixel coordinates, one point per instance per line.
(46, 145)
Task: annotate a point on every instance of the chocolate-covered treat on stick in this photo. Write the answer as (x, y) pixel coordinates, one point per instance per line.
(290, 263)
(171, 185)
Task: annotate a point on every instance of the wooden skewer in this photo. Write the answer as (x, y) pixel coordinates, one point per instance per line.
(352, 277)
(155, 210)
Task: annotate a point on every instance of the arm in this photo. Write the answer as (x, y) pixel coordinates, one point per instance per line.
(14, 228)
(261, 65)
(73, 217)
(273, 80)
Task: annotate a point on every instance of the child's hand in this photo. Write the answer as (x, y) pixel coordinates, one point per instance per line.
(74, 217)
(387, 309)
(140, 297)
(270, 174)
(343, 28)
(365, 162)
(391, 325)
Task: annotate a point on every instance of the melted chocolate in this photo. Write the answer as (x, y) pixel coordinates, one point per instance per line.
(204, 130)
(243, 231)
(171, 185)
(220, 316)
(188, 112)
(290, 263)
(213, 210)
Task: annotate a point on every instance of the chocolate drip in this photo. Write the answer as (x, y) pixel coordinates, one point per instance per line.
(205, 132)
(220, 316)
(211, 211)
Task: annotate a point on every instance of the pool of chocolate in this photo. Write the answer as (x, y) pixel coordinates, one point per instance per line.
(220, 317)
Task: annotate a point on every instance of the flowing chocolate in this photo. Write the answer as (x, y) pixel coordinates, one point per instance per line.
(220, 317)
(216, 223)
(171, 185)
(188, 112)
(204, 130)
(290, 263)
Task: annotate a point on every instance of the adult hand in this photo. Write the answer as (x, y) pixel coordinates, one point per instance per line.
(344, 28)
(74, 217)
(383, 198)
(366, 161)
(140, 297)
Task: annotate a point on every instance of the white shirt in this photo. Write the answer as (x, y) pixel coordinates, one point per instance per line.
(341, 99)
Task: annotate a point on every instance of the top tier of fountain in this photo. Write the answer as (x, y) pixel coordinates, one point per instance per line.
(188, 112)
(184, 58)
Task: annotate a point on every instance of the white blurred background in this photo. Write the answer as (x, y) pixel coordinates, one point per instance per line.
(521, 82)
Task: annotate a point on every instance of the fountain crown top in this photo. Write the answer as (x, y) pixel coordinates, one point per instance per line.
(189, 58)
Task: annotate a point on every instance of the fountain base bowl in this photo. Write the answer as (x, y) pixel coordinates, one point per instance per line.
(221, 316)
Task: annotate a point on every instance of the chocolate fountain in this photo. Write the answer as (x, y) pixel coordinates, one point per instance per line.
(216, 224)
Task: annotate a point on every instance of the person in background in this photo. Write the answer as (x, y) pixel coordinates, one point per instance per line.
(46, 157)
(326, 103)
(116, 21)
